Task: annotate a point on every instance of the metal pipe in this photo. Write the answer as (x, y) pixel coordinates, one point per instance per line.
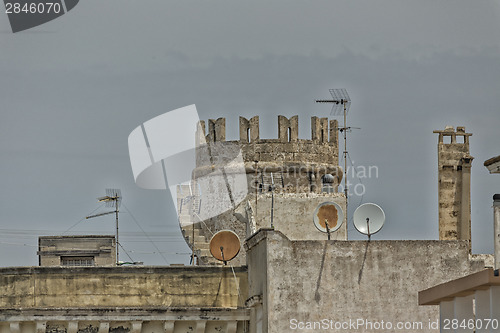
(346, 191)
(117, 242)
(272, 201)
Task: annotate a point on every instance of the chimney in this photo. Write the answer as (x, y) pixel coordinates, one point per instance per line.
(454, 183)
(496, 219)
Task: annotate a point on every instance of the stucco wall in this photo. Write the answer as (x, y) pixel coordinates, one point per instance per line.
(293, 214)
(309, 281)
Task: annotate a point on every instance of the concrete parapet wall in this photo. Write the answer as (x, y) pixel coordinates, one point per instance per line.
(57, 287)
(309, 281)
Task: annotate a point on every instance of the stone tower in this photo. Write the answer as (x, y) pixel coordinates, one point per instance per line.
(286, 178)
(454, 166)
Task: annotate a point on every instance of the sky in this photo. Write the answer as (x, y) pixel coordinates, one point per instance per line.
(73, 89)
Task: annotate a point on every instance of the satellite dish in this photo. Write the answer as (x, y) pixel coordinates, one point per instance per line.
(369, 218)
(328, 217)
(225, 245)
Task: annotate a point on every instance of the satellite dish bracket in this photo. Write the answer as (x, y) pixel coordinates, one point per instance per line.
(368, 227)
(327, 228)
(222, 254)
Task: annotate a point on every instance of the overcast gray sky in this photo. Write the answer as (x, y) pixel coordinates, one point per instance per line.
(73, 89)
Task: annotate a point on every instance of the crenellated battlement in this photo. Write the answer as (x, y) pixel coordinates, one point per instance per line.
(449, 132)
(322, 131)
(299, 163)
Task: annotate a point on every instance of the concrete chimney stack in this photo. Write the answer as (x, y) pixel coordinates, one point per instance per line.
(454, 173)
(496, 219)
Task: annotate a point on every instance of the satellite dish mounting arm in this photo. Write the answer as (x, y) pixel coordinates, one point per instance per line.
(368, 227)
(327, 228)
(222, 254)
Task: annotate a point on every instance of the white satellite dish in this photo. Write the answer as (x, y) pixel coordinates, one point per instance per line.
(328, 217)
(369, 218)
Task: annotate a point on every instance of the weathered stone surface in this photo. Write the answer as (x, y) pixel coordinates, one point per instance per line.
(249, 129)
(56, 287)
(293, 214)
(125, 319)
(297, 167)
(309, 281)
(454, 166)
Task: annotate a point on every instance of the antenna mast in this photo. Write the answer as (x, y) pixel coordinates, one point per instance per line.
(341, 100)
(271, 188)
(113, 198)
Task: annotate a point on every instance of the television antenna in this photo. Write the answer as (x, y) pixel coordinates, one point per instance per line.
(328, 217)
(112, 198)
(341, 100)
(225, 245)
(368, 219)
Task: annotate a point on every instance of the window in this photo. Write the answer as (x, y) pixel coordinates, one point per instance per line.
(328, 182)
(77, 261)
(327, 188)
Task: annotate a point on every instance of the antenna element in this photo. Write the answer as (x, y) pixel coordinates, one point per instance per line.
(340, 98)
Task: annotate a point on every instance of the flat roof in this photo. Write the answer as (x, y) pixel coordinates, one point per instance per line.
(76, 236)
(460, 287)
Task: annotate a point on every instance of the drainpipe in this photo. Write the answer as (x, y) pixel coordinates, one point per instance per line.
(496, 219)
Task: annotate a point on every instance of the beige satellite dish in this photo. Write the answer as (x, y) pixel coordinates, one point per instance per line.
(225, 245)
(328, 217)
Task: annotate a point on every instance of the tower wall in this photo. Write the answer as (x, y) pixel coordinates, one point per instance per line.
(284, 178)
(454, 166)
